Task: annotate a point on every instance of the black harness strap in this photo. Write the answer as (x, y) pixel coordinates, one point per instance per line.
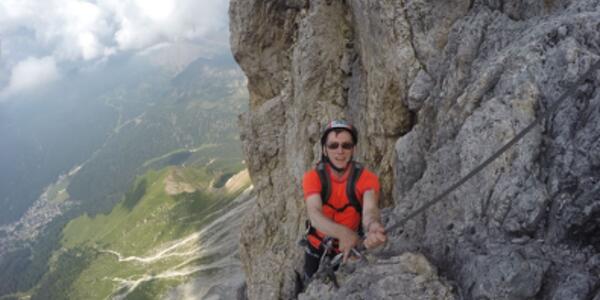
(325, 182)
(353, 201)
(355, 173)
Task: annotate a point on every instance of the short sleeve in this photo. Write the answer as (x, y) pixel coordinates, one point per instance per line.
(311, 184)
(367, 181)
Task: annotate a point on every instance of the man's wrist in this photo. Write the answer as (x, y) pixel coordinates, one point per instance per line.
(368, 225)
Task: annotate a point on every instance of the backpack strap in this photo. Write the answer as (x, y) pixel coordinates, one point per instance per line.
(325, 182)
(353, 201)
(355, 173)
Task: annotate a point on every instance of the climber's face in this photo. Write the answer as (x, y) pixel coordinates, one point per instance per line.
(339, 147)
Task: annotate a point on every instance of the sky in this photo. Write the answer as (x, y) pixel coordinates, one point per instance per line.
(39, 39)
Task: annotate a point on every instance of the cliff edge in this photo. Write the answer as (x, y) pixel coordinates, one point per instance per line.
(435, 87)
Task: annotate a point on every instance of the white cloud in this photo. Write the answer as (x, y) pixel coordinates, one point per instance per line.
(63, 28)
(158, 10)
(30, 74)
(68, 32)
(84, 30)
(145, 23)
(88, 43)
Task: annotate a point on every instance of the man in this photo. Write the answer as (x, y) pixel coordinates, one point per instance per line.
(339, 216)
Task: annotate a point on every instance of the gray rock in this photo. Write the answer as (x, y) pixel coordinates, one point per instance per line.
(503, 276)
(296, 4)
(435, 87)
(419, 90)
(407, 276)
(577, 286)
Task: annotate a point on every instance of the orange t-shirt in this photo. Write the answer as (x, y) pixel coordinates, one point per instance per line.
(338, 199)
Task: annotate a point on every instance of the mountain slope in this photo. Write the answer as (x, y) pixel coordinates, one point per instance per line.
(151, 123)
(157, 238)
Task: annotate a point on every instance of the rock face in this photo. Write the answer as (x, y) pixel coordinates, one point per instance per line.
(435, 87)
(405, 277)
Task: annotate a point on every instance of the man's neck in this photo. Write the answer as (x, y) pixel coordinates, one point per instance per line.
(339, 174)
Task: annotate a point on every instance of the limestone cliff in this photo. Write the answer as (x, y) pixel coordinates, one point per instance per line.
(434, 87)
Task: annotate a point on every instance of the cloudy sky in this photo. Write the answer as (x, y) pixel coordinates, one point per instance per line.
(39, 37)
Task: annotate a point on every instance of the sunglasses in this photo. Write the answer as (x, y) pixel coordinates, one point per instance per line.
(335, 145)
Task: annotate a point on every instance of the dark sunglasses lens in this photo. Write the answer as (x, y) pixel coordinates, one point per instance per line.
(333, 146)
(346, 146)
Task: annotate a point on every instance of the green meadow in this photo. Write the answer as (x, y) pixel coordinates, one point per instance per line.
(148, 243)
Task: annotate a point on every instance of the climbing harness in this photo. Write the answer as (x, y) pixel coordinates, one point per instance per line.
(327, 265)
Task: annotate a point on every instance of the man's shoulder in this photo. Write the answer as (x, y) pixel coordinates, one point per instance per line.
(368, 178)
(311, 183)
(367, 172)
(311, 172)
(310, 175)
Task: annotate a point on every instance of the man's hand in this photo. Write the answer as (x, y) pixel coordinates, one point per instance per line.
(348, 239)
(375, 235)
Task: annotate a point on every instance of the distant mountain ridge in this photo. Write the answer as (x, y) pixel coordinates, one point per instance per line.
(147, 122)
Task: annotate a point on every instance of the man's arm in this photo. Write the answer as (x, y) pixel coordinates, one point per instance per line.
(348, 239)
(375, 232)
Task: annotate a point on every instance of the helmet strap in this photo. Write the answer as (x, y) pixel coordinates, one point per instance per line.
(339, 170)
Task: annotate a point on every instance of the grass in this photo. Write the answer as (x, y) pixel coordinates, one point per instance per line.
(147, 220)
